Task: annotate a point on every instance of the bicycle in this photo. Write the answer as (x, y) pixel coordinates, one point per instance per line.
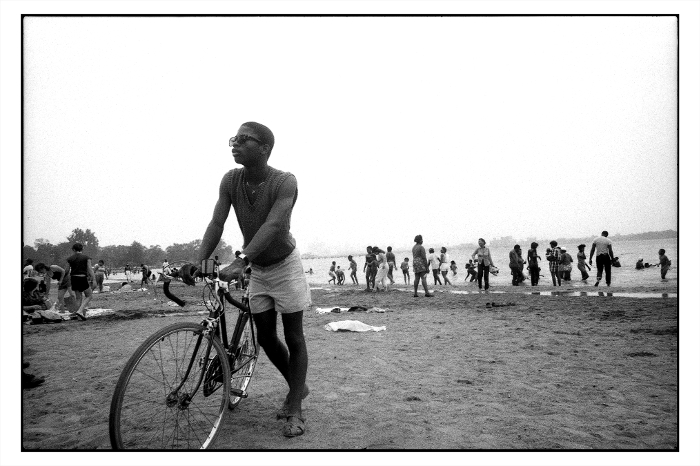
(175, 388)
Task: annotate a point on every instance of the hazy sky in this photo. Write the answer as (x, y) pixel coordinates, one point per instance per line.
(455, 128)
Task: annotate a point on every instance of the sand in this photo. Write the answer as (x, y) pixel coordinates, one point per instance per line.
(449, 372)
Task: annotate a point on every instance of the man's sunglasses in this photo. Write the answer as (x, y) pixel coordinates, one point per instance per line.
(242, 139)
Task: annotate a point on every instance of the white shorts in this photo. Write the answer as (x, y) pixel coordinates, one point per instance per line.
(280, 286)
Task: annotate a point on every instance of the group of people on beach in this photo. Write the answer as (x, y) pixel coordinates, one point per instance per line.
(379, 265)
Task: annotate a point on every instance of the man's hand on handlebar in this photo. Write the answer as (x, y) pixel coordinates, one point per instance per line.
(188, 273)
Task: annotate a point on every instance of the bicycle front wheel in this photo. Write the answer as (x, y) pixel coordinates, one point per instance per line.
(245, 355)
(173, 392)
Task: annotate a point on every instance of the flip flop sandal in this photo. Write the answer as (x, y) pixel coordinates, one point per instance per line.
(283, 412)
(294, 426)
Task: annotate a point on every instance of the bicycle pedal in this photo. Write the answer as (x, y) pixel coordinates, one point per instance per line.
(238, 392)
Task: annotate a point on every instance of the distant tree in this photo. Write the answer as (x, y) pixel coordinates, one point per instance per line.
(154, 255)
(40, 241)
(91, 245)
(137, 254)
(183, 251)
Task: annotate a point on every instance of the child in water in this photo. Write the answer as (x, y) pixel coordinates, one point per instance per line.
(471, 271)
(453, 268)
(404, 269)
(664, 263)
(353, 271)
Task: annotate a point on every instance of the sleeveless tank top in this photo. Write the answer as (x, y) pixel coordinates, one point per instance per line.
(251, 216)
(78, 264)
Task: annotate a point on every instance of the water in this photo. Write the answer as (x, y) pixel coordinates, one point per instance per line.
(627, 251)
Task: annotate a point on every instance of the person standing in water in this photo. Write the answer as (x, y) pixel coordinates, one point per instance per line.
(420, 267)
(581, 257)
(482, 254)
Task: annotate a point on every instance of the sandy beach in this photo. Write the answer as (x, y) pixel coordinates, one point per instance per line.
(505, 370)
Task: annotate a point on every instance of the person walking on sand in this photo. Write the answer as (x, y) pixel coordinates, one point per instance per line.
(80, 271)
(444, 265)
(353, 271)
(602, 248)
(144, 277)
(263, 198)
(127, 272)
(391, 263)
(581, 257)
(420, 267)
(370, 268)
(553, 256)
(532, 264)
(100, 271)
(482, 254)
(663, 262)
(404, 269)
(434, 261)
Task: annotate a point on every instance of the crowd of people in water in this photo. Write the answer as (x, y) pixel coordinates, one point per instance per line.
(79, 278)
(379, 265)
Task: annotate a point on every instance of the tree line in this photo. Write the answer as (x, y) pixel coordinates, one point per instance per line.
(119, 255)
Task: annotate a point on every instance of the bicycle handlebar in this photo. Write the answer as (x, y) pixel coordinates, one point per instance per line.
(172, 297)
(182, 303)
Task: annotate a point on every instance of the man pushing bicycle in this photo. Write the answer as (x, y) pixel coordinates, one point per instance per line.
(263, 198)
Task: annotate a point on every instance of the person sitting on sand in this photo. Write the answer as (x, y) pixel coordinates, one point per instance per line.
(32, 298)
(420, 267)
(664, 263)
(404, 269)
(56, 273)
(353, 271)
(640, 264)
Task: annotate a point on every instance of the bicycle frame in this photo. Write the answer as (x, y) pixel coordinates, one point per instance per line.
(217, 319)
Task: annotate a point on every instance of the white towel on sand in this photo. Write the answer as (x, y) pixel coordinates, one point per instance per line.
(351, 326)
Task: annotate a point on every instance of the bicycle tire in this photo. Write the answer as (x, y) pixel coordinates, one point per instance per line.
(144, 413)
(245, 355)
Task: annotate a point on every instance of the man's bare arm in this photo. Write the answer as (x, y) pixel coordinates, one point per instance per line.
(215, 229)
(278, 219)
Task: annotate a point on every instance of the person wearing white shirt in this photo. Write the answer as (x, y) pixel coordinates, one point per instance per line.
(602, 247)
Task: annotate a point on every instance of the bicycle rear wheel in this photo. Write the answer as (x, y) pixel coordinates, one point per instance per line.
(155, 406)
(245, 355)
